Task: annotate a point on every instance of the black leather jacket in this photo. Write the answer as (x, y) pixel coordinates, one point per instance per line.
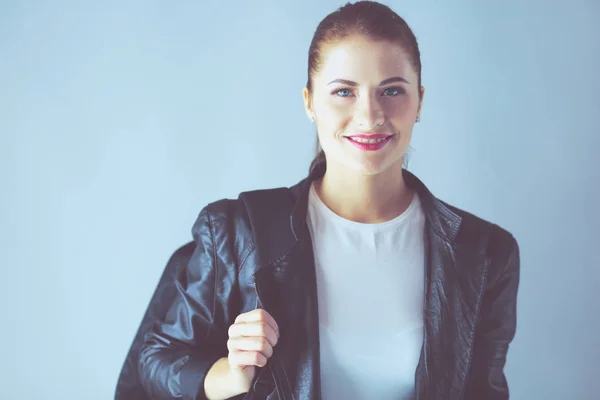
(469, 312)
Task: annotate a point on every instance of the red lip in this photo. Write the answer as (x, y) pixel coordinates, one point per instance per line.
(371, 136)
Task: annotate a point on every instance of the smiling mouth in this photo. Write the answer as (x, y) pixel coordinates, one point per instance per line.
(372, 138)
(368, 140)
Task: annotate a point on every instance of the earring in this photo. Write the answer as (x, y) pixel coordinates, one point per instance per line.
(418, 118)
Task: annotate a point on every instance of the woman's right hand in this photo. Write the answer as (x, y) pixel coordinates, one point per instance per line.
(251, 340)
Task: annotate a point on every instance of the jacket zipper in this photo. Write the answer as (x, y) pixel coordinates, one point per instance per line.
(260, 303)
(427, 242)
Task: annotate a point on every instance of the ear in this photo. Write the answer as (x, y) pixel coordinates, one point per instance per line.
(307, 104)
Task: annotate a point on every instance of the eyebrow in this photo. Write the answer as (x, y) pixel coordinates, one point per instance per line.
(385, 82)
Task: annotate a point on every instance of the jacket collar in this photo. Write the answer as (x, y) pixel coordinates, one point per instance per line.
(441, 219)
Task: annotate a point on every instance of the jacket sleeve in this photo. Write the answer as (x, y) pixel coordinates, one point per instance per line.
(496, 326)
(179, 350)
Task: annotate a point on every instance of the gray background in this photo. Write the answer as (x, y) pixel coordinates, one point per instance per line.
(120, 120)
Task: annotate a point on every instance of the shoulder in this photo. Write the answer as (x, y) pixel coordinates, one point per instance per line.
(223, 212)
(222, 230)
(232, 215)
(498, 246)
(483, 235)
(226, 224)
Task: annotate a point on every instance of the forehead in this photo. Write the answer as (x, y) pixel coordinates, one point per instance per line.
(357, 58)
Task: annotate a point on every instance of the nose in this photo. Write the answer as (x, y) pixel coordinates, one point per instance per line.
(369, 113)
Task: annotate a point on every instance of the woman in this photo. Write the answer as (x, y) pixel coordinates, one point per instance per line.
(385, 291)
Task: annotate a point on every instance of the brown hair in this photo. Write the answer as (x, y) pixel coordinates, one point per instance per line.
(370, 19)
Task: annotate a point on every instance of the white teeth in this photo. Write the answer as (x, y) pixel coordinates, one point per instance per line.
(368, 141)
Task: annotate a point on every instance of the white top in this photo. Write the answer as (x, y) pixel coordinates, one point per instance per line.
(370, 286)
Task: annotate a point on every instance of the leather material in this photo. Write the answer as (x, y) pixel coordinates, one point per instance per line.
(470, 305)
(128, 385)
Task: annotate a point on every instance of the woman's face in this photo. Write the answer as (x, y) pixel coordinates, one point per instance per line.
(364, 88)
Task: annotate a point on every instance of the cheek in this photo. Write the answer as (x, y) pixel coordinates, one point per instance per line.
(329, 105)
(333, 116)
(400, 108)
(337, 108)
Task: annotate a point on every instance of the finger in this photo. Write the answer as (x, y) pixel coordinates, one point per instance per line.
(258, 315)
(241, 359)
(254, 329)
(259, 344)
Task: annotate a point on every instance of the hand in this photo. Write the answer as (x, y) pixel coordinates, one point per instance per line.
(251, 340)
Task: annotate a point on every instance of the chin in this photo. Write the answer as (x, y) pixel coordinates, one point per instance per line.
(363, 164)
(370, 168)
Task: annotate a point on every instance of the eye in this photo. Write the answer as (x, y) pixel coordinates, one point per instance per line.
(345, 92)
(394, 91)
(391, 91)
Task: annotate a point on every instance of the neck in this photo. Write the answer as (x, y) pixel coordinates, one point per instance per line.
(364, 198)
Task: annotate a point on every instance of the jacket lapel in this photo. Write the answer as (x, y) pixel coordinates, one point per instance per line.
(455, 277)
(287, 290)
